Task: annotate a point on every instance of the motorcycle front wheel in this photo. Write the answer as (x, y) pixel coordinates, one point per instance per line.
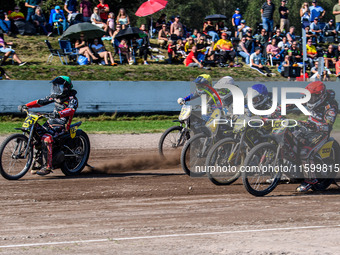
(13, 163)
(77, 152)
(171, 140)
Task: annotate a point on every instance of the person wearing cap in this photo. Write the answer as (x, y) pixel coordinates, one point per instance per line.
(316, 29)
(210, 29)
(255, 63)
(16, 15)
(226, 50)
(329, 29)
(267, 11)
(316, 11)
(242, 29)
(283, 11)
(336, 12)
(236, 20)
(176, 28)
(59, 18)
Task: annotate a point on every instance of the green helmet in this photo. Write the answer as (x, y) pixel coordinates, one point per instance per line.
(61, 85)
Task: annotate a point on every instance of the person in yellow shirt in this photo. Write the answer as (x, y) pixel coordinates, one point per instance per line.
(311, 51)
(226, 50)
(188, 45)
(16, 15)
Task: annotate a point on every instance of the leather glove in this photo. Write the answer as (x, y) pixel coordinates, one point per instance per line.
(22, 108)
(54, 115)
(180, 101)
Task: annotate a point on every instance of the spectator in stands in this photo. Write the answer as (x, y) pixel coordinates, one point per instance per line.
(70, 7)
(316, 11)
(242, 29)
(295, 53)
(305, 15)
(111, 23)
(302, 77)
(315, 76)
(5, 24)
(262, 39)
(210, 29)
(188, 45)
(8, 52)
(104, 10)
(163, 36)
(16, 15)
(177, 28)
(330, 56)
(273, 50)
(160, 22)
(180, 47)
(311, 51)
(100, 51)
(201, 45)
(194, 34)
(86, 10)
(337, 70)
(123, 18)
(283, 11)
(220, 27)
(191, 60)
(267, 12)
(242, 50)
(310, 34)
(171, 50)
(96, 20)
(82, 45)
(40, 21)
(291, 37)
(336, 12)
(226, 50)
(337, 51)
(255, 63)
(284, 45)
(329, 29)
(236, 20)
(278, 35)
(316, 29)
(124, 50)
(286, 64)
(114, 41)
(59, 18)
(31, 8)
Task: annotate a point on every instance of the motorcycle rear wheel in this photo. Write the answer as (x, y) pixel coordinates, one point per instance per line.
(13, 165)
(76, 159)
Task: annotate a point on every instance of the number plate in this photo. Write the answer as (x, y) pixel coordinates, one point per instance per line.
(30, 121)
(73, 131)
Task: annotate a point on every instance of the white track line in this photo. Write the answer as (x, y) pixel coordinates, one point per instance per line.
(165, 236)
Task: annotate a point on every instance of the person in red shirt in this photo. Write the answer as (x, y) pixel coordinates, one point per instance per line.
(103, 10)
(191, 60)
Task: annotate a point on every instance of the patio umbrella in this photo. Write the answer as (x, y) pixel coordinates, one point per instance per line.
(215, 17)
(89, 30)
(129, 33)
(151, 7)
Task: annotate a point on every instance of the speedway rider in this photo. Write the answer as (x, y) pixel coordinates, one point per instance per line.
(204, 86)
(323, 108)
(66, 103)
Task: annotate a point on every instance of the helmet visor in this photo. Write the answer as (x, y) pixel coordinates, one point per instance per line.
(314, 98)
(57, 89)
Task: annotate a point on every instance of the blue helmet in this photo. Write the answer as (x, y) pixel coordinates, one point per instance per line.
(260, 94)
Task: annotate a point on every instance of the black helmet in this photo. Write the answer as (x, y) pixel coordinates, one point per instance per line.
(60, 86)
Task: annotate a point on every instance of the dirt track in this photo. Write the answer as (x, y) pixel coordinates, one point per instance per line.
(152, 208)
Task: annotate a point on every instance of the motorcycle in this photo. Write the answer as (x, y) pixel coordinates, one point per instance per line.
(269, 160)
(226, 156)
(71, 149)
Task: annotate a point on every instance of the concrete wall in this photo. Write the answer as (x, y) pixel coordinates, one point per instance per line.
(111, 96)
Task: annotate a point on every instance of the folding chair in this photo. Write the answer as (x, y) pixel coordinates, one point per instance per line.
(66, 47)
(56, 52)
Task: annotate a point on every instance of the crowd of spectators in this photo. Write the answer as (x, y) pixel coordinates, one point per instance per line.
(266, 44)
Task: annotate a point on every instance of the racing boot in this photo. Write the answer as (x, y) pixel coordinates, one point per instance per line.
(44, 171)
(306, 185)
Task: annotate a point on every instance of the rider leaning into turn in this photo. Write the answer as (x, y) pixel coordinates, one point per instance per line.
(204, 86)
(323, 108)
(66, 103)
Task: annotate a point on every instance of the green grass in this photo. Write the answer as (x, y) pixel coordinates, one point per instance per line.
(34, 50)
